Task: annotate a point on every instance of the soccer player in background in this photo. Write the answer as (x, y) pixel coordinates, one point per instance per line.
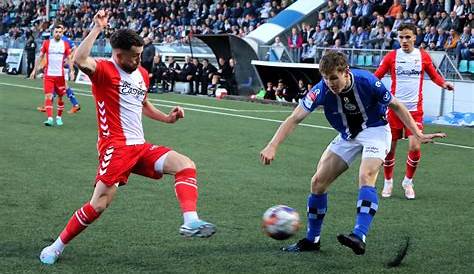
(407, 66)
(69, 92)
(55, 50)
(119, 87)
(355, 103)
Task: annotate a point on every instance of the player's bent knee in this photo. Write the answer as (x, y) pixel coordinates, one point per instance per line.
(318, 185)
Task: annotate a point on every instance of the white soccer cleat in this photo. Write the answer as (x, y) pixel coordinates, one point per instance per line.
(49, 255)
(387, 188)
(409, 191)
(199, 228)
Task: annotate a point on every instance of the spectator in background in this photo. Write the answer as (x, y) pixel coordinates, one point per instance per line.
(306, 32)
(270, 91)
(148, 54)
(394, 9)
(468, 52)
(197, 76)
(452, 41)
(455, 21)
(419, 37)
(281, 91)
(170, 74)
(157, 71)
(30, 49)
(445, 21)
(302, 90)
(432, 7)
(458, 7)
(208, 71)
(361, 38)
(295, 43)
(463, 42)
(442, 38)
(185, 74)
(309, 52)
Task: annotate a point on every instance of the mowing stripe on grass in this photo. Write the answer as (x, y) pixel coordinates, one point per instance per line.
(89, 94)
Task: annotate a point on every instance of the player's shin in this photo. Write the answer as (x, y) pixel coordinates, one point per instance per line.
(48, 105)
(187, 193)
(367, 205)
(412, 162)
(79, 221)
(60, 107)
(316, 210)
(71, 96)
(389, 165)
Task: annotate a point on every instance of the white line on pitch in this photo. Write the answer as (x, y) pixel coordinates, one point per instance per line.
(225, 114)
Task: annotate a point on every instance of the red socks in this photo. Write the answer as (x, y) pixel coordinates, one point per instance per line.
(48, 105)
(60, 107)
(186, 189)
(412, 162)
(389, 165)
(78, 222)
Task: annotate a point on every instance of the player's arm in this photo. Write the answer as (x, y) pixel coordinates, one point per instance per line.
(82, 54)
(150, 111)
(405, 116)
(268, 153)
(434, 75)
(384, 66)
(71, 67)
(37, 65)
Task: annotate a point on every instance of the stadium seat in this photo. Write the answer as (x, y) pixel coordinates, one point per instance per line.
(376, 61)
(353, 59)
(463, 66)
(471, 66)
(369, 60)
(360, 60)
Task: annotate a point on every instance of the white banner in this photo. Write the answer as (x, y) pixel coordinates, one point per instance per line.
(82, 78)
(14, 60)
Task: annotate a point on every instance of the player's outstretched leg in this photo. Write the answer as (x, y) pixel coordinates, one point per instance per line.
(316, 210)
(187, 195)
(388, 167)
(72, 98)
(412, 162)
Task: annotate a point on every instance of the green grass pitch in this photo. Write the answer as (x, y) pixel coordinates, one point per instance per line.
(47, 173)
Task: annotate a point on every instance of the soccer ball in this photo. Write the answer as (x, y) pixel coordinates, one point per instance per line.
(280, 222)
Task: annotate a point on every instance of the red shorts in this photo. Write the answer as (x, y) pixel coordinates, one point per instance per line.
(54, 84)
(397, 126)
(116, 163)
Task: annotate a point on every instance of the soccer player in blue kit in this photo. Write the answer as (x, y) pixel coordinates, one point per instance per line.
(355, 103)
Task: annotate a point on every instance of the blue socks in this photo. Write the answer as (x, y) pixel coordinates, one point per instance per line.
(72, 98)
(317, 208)
(367, 205)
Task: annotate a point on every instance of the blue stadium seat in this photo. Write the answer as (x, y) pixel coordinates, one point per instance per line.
(377, 60)
(463, 66)
(352, 59)
(471, 66)
(369, 60)
(360, 60)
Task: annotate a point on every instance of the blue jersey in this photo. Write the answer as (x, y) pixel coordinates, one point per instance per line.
(363, 104)
(69, 41)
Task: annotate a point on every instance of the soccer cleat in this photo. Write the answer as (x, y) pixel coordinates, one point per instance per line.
(41, 109)
(353, 242)
(49, 255)
(387, 188)
(74, 109)
(409, 191)
(302, 246)
(199, 228)
(59, 121)
(49, 122)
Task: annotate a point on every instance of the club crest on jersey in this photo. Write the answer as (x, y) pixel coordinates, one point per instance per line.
(126, 88)
(348, 105)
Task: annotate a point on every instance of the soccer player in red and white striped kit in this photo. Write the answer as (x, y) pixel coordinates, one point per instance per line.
(407, 66)
(119, 87)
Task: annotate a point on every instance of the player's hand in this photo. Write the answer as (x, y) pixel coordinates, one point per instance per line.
(428, 138)
(100, 19)
(267, 155)
(175, 114)
(33, 75)
(448, 86)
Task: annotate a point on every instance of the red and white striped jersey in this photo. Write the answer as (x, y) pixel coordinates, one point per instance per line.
(407, 72)
(56, 52)
(119, 98)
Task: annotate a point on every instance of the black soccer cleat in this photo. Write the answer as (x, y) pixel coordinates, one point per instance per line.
(302, 246)
(353, 242)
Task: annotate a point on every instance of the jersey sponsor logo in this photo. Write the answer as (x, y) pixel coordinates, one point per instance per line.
(125, 88)
(371, 149)
(386, 96)
(408, 72)
(378, 84)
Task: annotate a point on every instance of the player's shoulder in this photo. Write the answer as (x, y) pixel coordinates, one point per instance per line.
(365, 79)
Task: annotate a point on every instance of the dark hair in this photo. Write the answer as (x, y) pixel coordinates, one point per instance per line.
(407, 26)
(333, 61)
(125, 39)
(58, 26)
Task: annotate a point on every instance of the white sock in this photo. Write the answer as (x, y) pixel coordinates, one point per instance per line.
(389, 181)
(58, 245)
(407, 181)
(190, 217)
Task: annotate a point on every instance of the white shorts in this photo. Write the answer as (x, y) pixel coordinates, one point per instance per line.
(373, 142)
